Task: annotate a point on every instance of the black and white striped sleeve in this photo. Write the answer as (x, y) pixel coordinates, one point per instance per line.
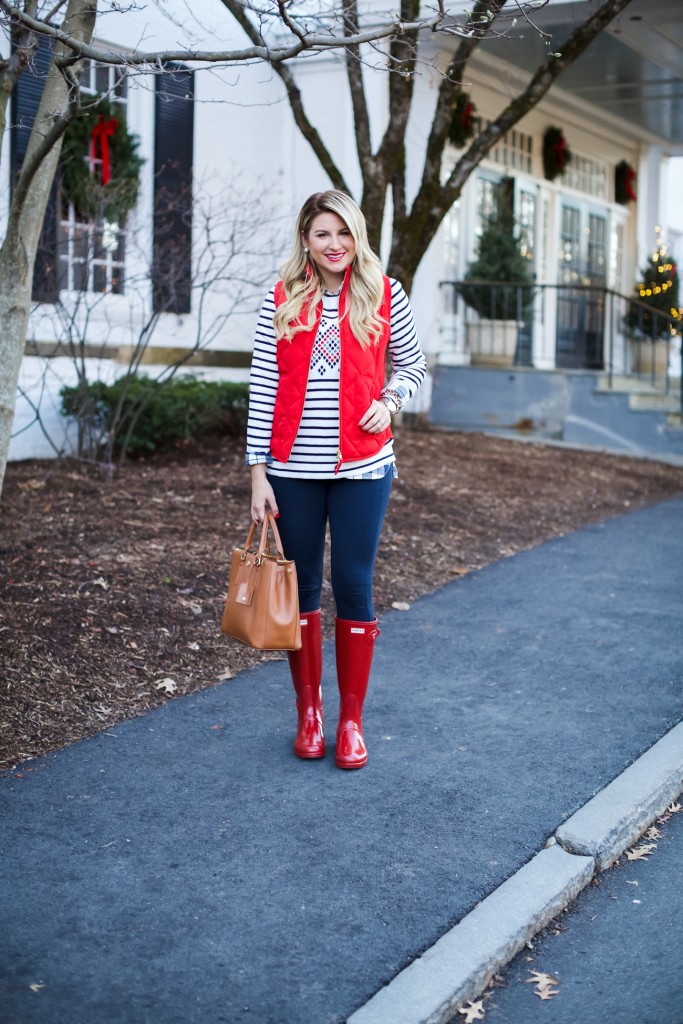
(263, 382)
(407, 358)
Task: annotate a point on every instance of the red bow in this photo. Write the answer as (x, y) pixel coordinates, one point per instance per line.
(560, 155)
(99, 141)
(629, 183)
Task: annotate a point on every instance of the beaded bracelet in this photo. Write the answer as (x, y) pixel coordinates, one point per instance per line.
(393, 397)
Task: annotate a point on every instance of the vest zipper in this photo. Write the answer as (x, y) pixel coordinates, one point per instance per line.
(341, 377)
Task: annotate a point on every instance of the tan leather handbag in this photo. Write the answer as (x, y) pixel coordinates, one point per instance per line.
(262, 608)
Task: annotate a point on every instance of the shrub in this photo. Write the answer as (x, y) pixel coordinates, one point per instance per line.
(137, 416)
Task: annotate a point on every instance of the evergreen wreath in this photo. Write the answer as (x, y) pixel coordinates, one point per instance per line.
(624, 183)
(111, 188)
(462, 125)
(556, 153)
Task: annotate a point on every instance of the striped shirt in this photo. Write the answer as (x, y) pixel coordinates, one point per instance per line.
(314, 454)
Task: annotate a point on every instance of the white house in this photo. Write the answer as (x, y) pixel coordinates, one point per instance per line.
(225, 145)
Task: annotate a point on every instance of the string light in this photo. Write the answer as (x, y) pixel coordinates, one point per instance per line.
(659, 278)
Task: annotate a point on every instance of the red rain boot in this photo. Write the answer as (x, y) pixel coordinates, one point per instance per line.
(355, 644)
(306, 666)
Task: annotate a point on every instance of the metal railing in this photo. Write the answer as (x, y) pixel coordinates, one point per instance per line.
(567, 326)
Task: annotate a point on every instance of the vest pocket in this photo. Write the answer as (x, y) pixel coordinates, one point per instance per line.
(365, 390)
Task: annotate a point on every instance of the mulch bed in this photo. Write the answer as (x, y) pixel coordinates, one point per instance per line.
(112, 592)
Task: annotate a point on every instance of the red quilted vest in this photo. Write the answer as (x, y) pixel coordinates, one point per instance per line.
(362, 376)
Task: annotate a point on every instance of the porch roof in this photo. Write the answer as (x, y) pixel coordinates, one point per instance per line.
(633, 70)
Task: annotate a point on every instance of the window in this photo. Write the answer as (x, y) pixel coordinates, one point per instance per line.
(91, 253)
(570, 246)
(91, 250)
(526, 222)
(514, 150)
(586, 175)
(596, 255)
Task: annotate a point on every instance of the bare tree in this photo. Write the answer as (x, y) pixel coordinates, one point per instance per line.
(58, 105)
(70, 24)
(383, 169)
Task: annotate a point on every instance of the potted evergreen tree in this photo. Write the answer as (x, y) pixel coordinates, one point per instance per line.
(501, 292)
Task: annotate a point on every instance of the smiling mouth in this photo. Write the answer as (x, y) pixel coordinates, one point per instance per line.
(336, 256)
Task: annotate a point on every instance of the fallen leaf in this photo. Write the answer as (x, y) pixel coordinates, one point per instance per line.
(541, 980)
(546, 993)
(227, 674)
(674, 808)
(641, 852)
(167, 685)
(653, 833)
(472, 1011)
(193, 646)
(400, 606)
(101, 582)
(36, 986)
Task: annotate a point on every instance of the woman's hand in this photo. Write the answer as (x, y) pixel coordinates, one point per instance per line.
(261, 494)
(376, 419)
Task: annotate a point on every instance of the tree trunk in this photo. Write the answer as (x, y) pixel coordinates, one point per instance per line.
(27, 210)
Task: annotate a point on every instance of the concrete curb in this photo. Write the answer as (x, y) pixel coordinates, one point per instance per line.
(610, 822)
(464, 960)
(461, 963)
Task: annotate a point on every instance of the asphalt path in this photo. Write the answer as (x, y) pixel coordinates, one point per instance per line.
(618, 955)
(186, 868)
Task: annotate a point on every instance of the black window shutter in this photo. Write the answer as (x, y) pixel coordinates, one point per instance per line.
(25, 100)
(173, 152)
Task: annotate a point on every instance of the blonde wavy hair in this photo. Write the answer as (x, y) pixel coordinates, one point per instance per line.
(304, 285)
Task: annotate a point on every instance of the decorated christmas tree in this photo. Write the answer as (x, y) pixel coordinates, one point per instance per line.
(657, 294)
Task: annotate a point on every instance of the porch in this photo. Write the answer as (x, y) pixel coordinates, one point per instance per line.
(575, 363)
(578, 407)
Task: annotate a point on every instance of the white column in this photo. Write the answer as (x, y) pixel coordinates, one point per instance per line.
(649, 203)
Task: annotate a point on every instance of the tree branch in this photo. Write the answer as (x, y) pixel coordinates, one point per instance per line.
(263, 51)
(305, 126)
(402, 59)
(483, 14)
(34, 159)
(433, 200)
(354, 73)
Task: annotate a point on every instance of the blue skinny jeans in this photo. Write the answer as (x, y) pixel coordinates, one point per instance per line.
(355, 511)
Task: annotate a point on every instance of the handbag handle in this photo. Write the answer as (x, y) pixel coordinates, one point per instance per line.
(264, 543)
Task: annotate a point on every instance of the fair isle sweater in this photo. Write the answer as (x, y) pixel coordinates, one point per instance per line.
(314, 454)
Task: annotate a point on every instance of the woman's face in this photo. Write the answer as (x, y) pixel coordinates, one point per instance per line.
(330, 245)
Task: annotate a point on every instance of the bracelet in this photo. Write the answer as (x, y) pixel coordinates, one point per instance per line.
(388, 395)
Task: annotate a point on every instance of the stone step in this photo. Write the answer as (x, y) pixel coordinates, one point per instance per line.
(623, 384)
(655, 403)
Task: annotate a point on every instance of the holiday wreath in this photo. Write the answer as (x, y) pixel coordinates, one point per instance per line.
(100, 166)
(556, 153)
(462, 124)
(624, 183)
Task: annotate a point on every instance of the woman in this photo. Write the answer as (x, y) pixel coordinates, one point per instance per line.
(320, 447)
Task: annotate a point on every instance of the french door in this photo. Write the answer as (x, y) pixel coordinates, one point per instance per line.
(582, 277)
